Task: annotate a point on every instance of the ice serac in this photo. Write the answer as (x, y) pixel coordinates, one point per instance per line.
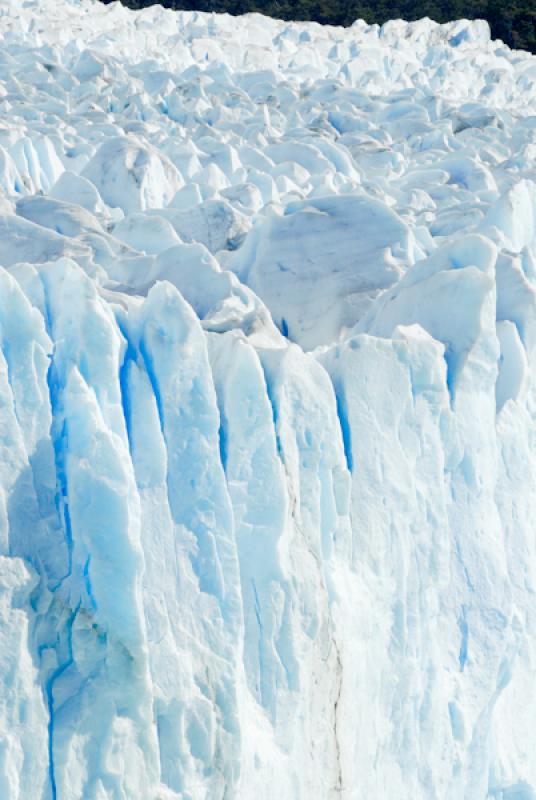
(267, 408)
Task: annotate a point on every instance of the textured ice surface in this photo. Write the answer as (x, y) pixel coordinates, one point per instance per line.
(267, 408)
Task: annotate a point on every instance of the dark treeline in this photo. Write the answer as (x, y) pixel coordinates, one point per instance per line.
(513, 22)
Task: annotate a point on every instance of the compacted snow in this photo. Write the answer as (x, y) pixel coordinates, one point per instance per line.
(267, 408)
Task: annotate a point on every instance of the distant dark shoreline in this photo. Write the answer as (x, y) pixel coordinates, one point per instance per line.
(513, 22)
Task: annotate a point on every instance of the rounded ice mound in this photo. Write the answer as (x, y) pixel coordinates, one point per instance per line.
(132, 176)
(513, 216)
(147, 234)
(74, 188)
(67, 219)
(319, 265)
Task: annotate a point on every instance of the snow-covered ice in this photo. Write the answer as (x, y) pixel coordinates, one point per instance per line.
(267, 408)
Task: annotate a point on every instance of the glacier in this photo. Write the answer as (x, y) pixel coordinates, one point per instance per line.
(267, 408)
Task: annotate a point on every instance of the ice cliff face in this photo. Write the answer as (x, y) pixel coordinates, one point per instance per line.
(267, 409)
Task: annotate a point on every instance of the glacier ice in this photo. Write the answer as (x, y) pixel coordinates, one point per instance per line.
(267, 452)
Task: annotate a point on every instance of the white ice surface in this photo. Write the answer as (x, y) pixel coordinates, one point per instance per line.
(267, 408)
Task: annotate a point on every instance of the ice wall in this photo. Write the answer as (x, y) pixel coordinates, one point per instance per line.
(267, 409)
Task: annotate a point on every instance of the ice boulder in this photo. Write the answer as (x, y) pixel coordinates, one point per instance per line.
(319, 265)
(146, 234)
(132, 176)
